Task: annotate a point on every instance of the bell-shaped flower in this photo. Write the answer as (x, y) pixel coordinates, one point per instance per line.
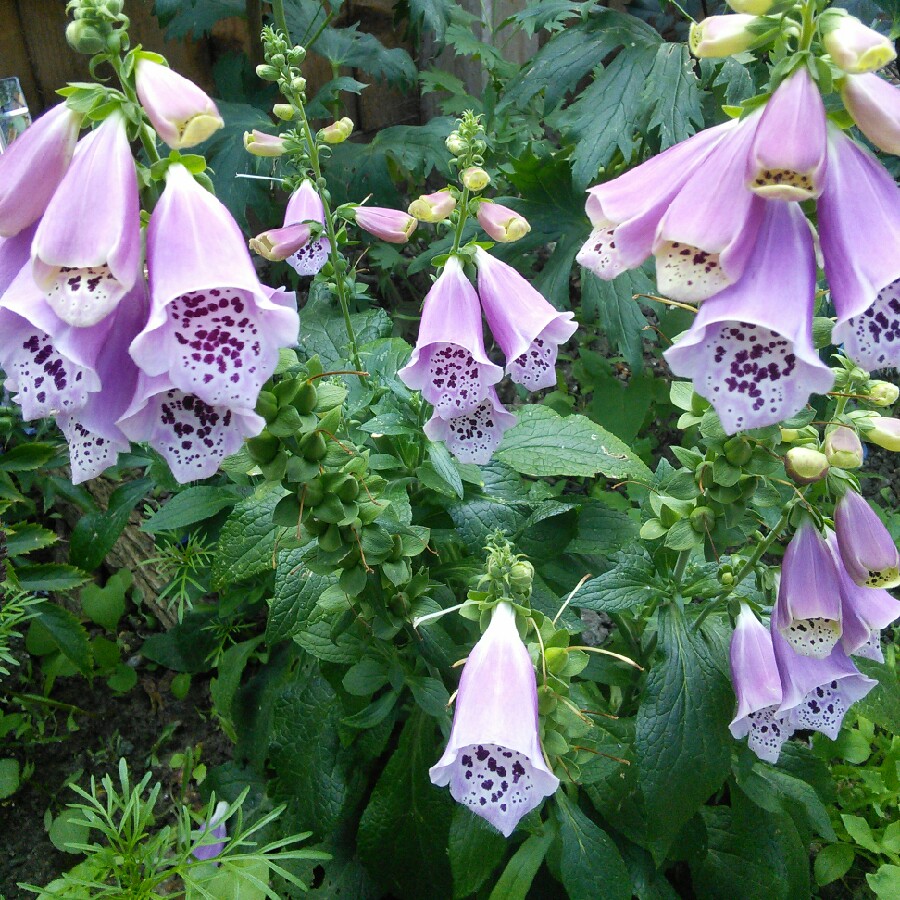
(874, 104)
(868, 551)
(433, 207)
(259, 143)
(278, 244)
(182, 114)
(750, 351)
(33, 166)
(707, 234)
(843, 448)
(449, 364)
(754, 676)
(473, 436)
(192, 436)
(884, 432)
(816, 693)
(718, 36)
(528, 329)
(391, 225)
(493, 762)
(854, 47)
(216, 827)
(305, 207)
(789, 153)
(214, 330)
(859, 230)
(86, 253)
(625, 211)
(865, 611)
(502, 223)
(15, 252)
(808, 609)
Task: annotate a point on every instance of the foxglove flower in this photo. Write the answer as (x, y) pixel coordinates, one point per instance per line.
(750, 351)
(259, 143)
(214, 330)
(854, 47)
(528, 329)
(493, 762)
(390, 225)
(216, 828)
(192, 436)
(32, 167)
(433, 207)
(449, 364)
(278, 244)
(789, 153)
(182, 114)
(473, 436)
(15, 252)
(808, 609)
(865, 611)
(844, 448)
(625, 212)
(754, 676)
(86, 253)
(502, 223)
(859, 229)
(718, 36)
(874, 104)
(306, 206)
(816, 693)
(867, 549)
(884, 432)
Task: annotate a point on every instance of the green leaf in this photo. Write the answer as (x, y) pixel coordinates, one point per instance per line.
(445, 466)
(631, 582)
(194, 17)
(882, 703)
(672, 95)
(430, 694)
(49, 577)
(519, 873)
(28, 536)
(589, 857)
(475, 850)
(9, 777)
(861, 832)
(68, 828)
(106, 605)
(323, 332)
(247, 541)
(543, 443)
(886, 882)
(223, 688)
(26, 457)
(66, 632)
(296, 592)
(190, 506)
(185, 646)
(682, 741)
(432, 14)
(601, 530)
(373, 714)
(403, 833)
(833, 862)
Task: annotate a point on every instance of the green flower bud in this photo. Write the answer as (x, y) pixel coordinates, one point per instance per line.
(298, 84)
(702, 519)
(314, 493)
(805, 465)
(843, 448)
(85, 38)
(306, 398)
(738, 451)
(520, 577)
(283, 111)
(883, 393)
(267, 405)
(475, 178)
(455, 144)
(348, 489)
(331, 539)
(337, 132)
(313, 446)
(263, 448)
(267, 72)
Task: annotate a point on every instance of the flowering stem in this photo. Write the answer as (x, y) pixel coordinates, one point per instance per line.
(461, 223)
(808, 31)
(280, 20)
(680, 565)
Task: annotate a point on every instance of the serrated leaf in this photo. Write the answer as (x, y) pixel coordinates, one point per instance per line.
(190, 506)
(297, 590)
(49, 577)
(26, 457)
(445, 466)
(432, 14)
(631, 582)
(672, 95)
(28, 536)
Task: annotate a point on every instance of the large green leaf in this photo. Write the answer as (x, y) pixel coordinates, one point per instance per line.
(191, 506)
(631, 582)
(515, 882)
(296, 592)
(475, 849)
(66, 632)
(672, 95)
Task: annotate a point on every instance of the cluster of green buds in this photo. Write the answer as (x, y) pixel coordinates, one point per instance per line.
(97, 26)
(507, 575)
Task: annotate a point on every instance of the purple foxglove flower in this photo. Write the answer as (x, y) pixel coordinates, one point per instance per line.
(391, 225)
(493, 762)
(865, 611)
(706, 236)
(528, 329)
(278, 244)
(718, 36)
(750, 350)
(473, 436)
(216, 827)
(859, 229)
(868, 551)
(808, 609)
(502, 223)
(884, 432)
(754, 675)
(305, 205)
(874, 104)
(192, 436)
(259, 143)
(214, 330)
(449, 364)
(15, 252)
(817, 692)
(32, 167)
(854, 47)
(182, 114)
(789, 153)
(86, 254)
(625, 212)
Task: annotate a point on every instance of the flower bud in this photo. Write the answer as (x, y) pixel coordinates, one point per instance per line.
(85, 38)
(261, 144)
(298, 84)
(266, 72)
(501, 223)
(433, 207)
(520, 577)
(853, 46)
(337, 132)
(475, 178)
(283, 111)
(390, 225)
(455, 144)
(702, 519)
(805, 465)
(843, 448)
(885, 433)
(883, 393)
(874, 104)
(278, 244)
(738, 451)
(752, 7)
(718, 36)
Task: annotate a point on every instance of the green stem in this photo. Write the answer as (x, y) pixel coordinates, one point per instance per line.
(808, 25)
(461, 221)
(680, 565)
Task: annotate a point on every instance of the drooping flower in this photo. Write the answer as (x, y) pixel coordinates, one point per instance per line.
(214, 330)
(15, 252)
(868, 552)
(843, 448)
(433, 207)
(493, 762)
(475, 178)
(33, 166)
(502, 223)
(808, 609)
(625, 211)
(528, 329)
(874, 104)
(718, 36)
(884, 432)
(859, 229)
(86, 253)
(259, 143)
(854, 47)
(816, 693)
(473, 436)
(277, 244)
(216, 827)
(449, 364)
(750, 351)
(789, 153)
(865, 611)
(337, 132)
(182, 114)
(754, 676)
(391, 225)
(305, 206)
